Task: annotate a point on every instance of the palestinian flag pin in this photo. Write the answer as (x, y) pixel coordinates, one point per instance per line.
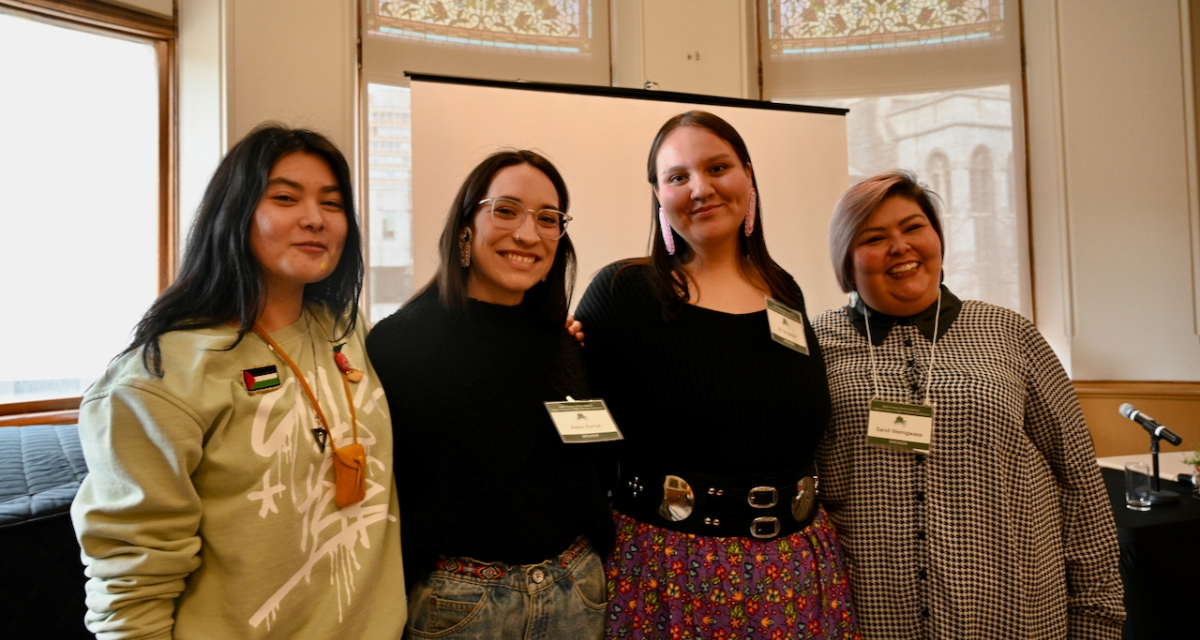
(260, 379)
(343, 363)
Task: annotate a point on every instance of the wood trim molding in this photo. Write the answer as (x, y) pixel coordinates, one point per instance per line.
(1137, 389)
(98, 14)
(168, 220)
(40, 406)
(27, 419)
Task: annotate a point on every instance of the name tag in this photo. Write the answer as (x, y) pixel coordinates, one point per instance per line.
(895, 425)
(583, 421)
(787, 326)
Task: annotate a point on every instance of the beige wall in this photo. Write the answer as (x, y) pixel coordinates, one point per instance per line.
(1172, 403)
(690, 46)
(1113, 207)
(245, 61)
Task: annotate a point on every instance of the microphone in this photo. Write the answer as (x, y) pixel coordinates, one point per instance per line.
(1149, 424)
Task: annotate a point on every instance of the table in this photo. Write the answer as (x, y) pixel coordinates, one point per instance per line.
(1160, 562)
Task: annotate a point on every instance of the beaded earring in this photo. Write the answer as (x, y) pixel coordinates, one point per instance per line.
(668, 237)
(751, 211)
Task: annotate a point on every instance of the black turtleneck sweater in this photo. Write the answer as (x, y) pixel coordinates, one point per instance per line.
(481, 471)
(704, 392)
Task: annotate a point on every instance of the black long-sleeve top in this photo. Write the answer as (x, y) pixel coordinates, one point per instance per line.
(705, 392)
(481, 471)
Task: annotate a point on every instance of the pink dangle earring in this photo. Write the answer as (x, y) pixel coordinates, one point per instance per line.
(668, 237)
(751, 211)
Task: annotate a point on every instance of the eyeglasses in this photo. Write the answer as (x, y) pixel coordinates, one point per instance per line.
(551, 224)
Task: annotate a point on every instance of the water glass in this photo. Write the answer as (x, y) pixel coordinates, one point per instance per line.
(1137, 486)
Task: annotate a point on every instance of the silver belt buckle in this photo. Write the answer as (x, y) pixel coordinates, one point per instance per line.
(678, 499)
(756, 527)
(805, 500)
(762, 497)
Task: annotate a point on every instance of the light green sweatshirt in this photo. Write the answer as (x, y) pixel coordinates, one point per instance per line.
(209, 511)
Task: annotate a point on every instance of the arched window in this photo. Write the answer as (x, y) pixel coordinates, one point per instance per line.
(937, 176)
(983, 198)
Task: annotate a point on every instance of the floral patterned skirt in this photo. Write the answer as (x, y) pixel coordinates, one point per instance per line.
(666, 584)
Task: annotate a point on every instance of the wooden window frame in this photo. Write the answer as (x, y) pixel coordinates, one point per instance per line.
(111, 20)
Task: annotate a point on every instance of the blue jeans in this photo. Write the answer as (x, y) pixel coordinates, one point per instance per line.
(463, 599)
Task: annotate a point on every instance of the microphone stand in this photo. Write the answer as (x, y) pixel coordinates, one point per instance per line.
(1157, 496)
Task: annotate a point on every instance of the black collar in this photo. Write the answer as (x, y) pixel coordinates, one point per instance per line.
(881, 323)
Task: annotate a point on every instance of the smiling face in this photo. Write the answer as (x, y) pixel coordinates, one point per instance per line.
(703, 187)
(299, 226)
(505, 263)
(897, 259)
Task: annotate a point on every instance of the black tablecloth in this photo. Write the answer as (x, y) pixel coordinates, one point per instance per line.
(1160, 562)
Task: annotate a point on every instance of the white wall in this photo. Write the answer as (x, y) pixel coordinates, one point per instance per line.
(1113, 186)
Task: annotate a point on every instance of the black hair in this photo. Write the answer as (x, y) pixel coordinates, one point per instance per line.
(219, 279)
(550, 298)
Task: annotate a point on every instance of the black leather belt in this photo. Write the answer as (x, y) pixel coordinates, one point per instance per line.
(759, 506)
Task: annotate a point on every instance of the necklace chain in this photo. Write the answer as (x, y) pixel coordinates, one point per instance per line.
(313, 398)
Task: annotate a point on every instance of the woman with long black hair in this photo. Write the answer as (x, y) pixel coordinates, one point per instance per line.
(239, 450)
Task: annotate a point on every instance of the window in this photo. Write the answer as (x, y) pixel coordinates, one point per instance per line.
(389, 212)
(982, 179)
(930, 85)
(937, 175)
(546, 25)
(87, 231)
(816, 26)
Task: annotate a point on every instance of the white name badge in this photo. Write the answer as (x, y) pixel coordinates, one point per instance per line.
(583, 421)
(787, 326)
(895, 425)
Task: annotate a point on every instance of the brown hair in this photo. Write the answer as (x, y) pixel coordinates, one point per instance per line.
(552, 297)
(665, 271)
(855, 207)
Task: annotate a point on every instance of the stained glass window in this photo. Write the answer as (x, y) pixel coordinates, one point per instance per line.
(563, 26)
(839, 26)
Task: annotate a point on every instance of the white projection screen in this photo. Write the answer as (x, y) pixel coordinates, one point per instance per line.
(599, 138)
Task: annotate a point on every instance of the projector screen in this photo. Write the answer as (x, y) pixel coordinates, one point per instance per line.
(599, 138)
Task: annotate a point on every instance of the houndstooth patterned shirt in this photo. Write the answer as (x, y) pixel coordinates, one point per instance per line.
(1004, 529)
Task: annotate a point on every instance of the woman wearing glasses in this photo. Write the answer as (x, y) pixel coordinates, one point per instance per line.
(502, 520)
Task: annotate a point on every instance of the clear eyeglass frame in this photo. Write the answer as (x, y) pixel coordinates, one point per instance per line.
(551, 224)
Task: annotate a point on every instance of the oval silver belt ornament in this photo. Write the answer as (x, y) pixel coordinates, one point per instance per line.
(806, 498)
(678, 499)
